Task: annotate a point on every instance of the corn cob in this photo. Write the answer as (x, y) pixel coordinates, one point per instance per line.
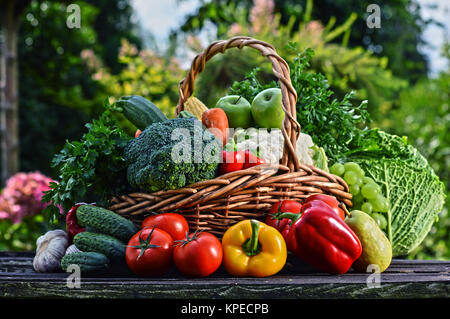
(195, 106)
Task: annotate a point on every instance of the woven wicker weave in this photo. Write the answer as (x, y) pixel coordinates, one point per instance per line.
(215, 204)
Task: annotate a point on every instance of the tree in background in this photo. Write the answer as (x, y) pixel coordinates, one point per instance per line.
(423, 115)
(144, 73)
(58, 93)
(347, 69)
(399, 39)
(10, 13)
(112, 23)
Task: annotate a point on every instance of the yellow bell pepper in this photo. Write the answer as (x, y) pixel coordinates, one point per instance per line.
(252, 248)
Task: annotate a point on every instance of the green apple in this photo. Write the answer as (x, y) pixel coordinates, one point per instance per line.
(237, 109)
(266, 108)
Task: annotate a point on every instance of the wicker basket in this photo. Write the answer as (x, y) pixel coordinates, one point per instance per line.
(213, 205)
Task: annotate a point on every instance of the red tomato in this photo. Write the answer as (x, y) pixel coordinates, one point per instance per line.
(287, 206)
(149, 252)
(329, 200)
(175, 224)
(199, 255)
(252, 160)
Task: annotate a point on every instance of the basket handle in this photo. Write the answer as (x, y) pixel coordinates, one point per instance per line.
(290, 127)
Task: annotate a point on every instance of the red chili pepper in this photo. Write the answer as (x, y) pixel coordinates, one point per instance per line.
(330, 201)
(138, 132)
(252, 160)
(72, 225)
(323, 240)
(232, 161)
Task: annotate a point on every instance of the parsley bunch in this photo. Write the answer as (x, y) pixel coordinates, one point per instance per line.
(334, 124)
(91, 169)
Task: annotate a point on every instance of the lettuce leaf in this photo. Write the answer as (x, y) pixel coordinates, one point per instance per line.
(415, 193)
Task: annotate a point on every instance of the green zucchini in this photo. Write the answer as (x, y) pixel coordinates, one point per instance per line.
(87, 261)
(140, 111)
(106, 222)
(107, 245)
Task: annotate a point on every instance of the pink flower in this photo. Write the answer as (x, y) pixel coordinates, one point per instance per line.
(261, 14)
(194, 43)
(314, 27)
(22, 196)
(235, 29)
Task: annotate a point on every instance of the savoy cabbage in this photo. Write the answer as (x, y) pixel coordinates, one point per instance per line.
(415, 193)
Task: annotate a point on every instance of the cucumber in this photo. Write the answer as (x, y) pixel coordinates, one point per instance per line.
(87, 261)
(91, 229)
(140, 111)
(107, 245)
(106, 222)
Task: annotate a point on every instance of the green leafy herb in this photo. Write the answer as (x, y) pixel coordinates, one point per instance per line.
(250, 86)
(91, 169)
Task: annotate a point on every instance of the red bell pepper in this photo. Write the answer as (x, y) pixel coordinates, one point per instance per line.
(237, 160)
(283, 216)
(252, 160)
(330, 201)
(323, 240)
(231, 161)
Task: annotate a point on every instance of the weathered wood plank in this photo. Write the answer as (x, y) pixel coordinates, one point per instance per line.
(224, 290)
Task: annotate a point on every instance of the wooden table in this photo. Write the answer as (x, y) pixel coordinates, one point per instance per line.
(403, 279)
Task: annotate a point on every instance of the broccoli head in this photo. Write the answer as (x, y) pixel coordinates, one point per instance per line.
(172, 154)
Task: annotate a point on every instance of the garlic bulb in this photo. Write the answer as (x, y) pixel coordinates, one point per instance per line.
(72, 249)
(50, 249)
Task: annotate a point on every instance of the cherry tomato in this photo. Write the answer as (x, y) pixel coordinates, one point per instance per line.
(198, 255)
(149, 252)
(252, 160)
(329, 200)
(175, 224)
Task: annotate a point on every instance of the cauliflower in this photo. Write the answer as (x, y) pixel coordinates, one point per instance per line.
(269, 145)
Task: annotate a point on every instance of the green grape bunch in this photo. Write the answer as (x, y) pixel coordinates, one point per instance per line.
(367, 194)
